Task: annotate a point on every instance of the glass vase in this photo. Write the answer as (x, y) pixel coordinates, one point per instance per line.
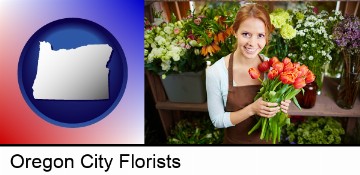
(349, 81)
(308, 99)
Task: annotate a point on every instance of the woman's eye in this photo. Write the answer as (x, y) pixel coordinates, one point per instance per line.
(246, 35)
(261, 36)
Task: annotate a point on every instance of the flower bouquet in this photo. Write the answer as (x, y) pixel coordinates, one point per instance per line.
(347, 37)
(283, 82)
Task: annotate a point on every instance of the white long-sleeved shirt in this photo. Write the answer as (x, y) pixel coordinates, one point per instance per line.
(217, 90)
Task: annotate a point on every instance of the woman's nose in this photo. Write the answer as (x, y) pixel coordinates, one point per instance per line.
(251, 41)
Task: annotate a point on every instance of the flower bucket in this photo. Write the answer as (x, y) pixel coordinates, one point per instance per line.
(187, 87)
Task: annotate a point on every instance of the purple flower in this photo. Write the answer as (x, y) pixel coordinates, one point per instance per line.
(346, 34)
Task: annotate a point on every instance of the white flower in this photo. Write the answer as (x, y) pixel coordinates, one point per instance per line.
(323, 53)
(165, 65)
(157, 21)
(329, 57)
(337, 12)
(168, 30)
(153, 45)
(311, 57)
(160, 40)
(150, 58)
(193, 43)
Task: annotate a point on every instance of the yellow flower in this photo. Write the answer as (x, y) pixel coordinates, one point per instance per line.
(287, 31)
(299, 16)
(279, 17)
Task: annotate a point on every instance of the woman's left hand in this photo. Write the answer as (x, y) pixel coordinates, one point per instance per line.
(285, 106)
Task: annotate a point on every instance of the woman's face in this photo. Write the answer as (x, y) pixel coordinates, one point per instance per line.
(251, 37)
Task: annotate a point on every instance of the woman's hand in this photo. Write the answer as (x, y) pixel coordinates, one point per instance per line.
(285, 105)
(266, 109)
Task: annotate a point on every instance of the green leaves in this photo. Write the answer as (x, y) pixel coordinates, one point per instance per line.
(316, 130)
(274, 91)
(195, 131)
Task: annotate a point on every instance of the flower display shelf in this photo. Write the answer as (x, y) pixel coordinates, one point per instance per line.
(325, 105)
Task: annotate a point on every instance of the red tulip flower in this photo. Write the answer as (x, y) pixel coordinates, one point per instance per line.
(273, 60)
(288, 67)
(299, 83)
(264, 66)
(303, 69)
(287, 77)
(279, 66)
(310, 77)
(296, 65)
(286, 60)
(272, 74)
(254, 73)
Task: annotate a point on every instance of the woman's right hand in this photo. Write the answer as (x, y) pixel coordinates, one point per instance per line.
(264, 109)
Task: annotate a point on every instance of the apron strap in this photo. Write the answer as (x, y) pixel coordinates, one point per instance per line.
(230, 70)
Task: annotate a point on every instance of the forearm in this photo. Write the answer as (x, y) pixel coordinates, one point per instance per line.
(241, 115)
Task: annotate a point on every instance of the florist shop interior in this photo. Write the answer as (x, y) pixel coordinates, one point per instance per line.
(316, 44)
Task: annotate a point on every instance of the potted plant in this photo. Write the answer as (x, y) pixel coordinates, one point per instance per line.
(178, 52)
(315, 130)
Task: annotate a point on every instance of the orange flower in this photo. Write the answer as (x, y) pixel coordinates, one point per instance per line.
(273, 60)
(272, 74)
(279, 66)
(303, 69)
(310, 77)
(288, 67)
(296, 65)
(210, 49)
(286, 60)
(221, 37)
(297, 72)
(264, 66)
(229, 31)
(254, 73)
(287, 77)
(215, 47)
(299, 83)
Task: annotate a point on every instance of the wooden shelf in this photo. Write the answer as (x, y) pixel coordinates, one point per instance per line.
(325, 104)
(182, 106)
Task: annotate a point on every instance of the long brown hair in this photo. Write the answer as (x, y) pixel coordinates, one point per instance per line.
(255, 11)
